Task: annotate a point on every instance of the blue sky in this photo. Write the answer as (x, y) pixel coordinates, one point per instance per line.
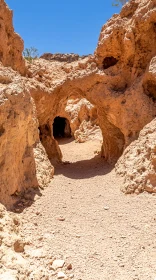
(63, 26)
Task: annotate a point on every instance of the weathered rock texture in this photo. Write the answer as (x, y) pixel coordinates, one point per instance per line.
(62, 57)
(11, 44)
(44, 169)
(138, 163)
(14, 264)
(18, 137)
(124, 53)
(9, 234)
(119, 81)
(83, 119)
(82, 116)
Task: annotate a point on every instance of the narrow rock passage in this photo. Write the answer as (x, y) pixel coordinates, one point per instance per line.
(84, 219)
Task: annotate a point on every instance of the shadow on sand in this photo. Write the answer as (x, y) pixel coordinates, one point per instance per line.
(24, 200)
(64, 141)
(83, 169)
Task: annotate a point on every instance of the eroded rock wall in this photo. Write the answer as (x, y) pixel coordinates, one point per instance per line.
(11, 44)
(82, 116)
(118, 80)
(18, 134)
(124, 54)
(138, 163)
(18, 137)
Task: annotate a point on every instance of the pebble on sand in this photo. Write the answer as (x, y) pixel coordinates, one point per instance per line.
(57, 264)
(61, 275)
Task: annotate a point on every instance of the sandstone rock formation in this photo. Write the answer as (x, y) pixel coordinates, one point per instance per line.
(112, 91)
(62, 57)
(11, 44)
(138, 163)
(18, 137)
(124, 53)
(82, 117)
(119, 80)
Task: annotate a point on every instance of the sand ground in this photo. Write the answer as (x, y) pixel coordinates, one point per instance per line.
(84, 219)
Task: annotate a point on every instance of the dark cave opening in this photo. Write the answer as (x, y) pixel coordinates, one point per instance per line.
(61, 128)
(109, 61)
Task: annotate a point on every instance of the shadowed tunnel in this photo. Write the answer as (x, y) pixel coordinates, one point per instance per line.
(61, 127)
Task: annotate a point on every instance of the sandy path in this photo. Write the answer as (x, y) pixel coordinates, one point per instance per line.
(104, 233)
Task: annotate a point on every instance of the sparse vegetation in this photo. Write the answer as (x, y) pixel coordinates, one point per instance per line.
(119, 2)
(30, 54)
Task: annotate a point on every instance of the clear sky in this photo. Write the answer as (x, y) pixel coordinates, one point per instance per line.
(63, 26)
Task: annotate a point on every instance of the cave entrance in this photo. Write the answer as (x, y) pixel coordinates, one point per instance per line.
(61, 128)
(88, 126)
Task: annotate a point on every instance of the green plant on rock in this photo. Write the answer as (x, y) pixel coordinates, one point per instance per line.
(30, 54)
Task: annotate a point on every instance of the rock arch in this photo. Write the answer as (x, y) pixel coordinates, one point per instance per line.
(113, 137)
(119, 80)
